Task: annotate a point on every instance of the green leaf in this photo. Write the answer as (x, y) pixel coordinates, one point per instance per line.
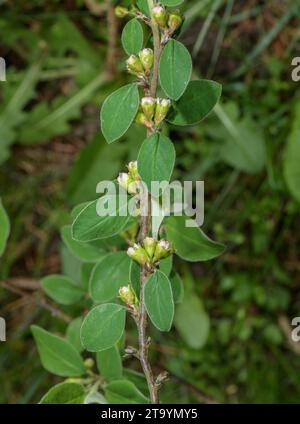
(111, 273)
(132, 37)
(78, 208)
(73, 333)
(191, 243)
(4, 228)
(244, 146)
(94, 397)
(103, 327)
(172, 3)
(159, 301)
(124, 391)
(85, 274)
(109, 363)
(86, 252)
(89, 226)
(64, 393)
(70, 266)
(177, 287)
(192, 322)
(118, 112)
(165, 265)
(143, 6)
(156, 159)
(196, 103)
(175, 69)
(291, 162)
(57, 355)
(62, 289)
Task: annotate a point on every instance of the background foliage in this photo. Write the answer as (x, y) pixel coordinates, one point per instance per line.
(234, 322)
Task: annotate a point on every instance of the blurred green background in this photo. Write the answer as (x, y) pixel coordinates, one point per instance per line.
(231, 341)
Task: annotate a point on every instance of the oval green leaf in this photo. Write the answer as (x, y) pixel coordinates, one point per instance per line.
(118, 112)
(196, 103)
(156, 159)
(124, 391)
(175, 69)
(86, 252)
(143, 6)
(111, 273)
(191, 243)
(159, 301)
(89, 226)
(103, 327)
(166, 265)
(132, 37)
(64, 393)
(73, 333)
(57, 355)
(109, 363)
(61, 289)
(4, 228)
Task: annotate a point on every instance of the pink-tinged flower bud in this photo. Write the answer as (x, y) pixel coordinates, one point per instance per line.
(147, 58)
(163, 250)
(141, 119)
(127, 295)
(150, 246)
(132, 168)
(160, 16)
(148, 105)
(134, 66)
(138, 254)
(121, 12)
(162, 109)
(175, 20)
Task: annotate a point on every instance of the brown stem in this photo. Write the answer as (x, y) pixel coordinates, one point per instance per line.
(144, 232)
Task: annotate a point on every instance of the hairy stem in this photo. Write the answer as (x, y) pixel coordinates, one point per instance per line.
(144, 232)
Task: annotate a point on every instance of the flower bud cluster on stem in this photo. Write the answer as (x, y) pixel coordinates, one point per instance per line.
(128, 296)
(153, 112)
(150, 252)
(140, 65)
(130, 181)
(168, 22)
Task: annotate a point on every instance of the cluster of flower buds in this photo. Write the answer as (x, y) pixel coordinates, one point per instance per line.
(168, 21)
(142, 64)
(130, 180)
(128, 296)
(153, 111)
(151, 252)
